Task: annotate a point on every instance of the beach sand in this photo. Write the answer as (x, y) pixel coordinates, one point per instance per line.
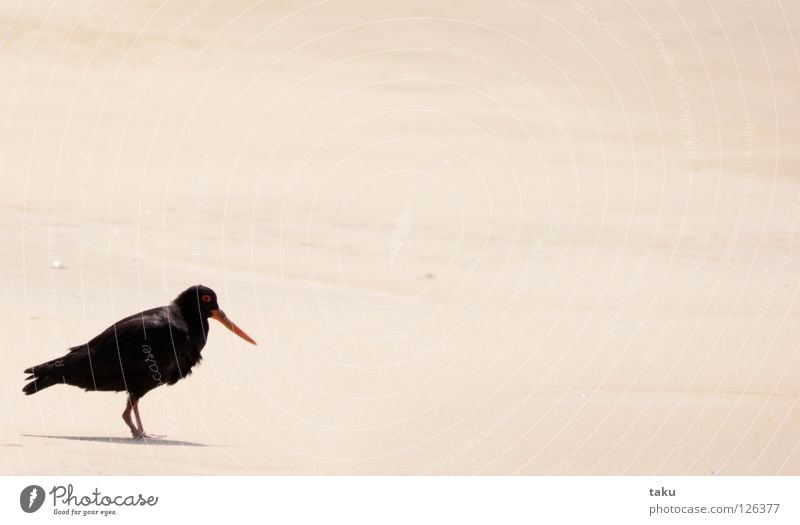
(470, 237)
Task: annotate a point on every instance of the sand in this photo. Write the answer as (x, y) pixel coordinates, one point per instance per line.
(470, 237)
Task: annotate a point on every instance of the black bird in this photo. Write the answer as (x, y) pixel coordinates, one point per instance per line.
(139, 353)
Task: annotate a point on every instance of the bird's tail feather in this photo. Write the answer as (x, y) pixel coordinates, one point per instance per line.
(39, 383)
(44, 375)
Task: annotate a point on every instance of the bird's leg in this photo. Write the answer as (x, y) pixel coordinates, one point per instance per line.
(141, 433)
(126, 416)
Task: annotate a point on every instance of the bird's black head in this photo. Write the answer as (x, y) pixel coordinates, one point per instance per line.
(202, 300)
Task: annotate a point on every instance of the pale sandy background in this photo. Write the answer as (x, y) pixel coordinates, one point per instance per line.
(471, 237)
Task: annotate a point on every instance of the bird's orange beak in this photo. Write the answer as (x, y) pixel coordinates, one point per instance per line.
(220, 316)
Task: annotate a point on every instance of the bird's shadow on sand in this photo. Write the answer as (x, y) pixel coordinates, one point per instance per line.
(123, 441)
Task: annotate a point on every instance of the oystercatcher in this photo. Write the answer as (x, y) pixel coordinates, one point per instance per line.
(139, 353)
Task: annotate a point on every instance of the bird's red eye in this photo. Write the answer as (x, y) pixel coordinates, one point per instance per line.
(206, 298)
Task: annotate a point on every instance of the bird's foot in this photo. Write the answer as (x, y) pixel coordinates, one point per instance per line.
(145, 435)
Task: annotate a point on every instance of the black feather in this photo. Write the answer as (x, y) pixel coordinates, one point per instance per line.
(136, 354)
